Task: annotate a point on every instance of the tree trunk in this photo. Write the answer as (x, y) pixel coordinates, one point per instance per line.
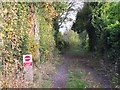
(92, 37)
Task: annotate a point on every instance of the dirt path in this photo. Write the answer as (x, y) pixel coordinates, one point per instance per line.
(60, 77)
(94, 78)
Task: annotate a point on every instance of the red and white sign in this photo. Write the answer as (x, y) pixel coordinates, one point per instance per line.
(27, 60)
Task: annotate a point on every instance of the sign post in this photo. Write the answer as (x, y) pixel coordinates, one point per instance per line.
(28, 67)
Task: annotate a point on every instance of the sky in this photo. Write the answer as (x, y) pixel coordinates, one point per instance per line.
(70, 16)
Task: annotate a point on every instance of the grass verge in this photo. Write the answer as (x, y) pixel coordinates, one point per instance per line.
(74, 79)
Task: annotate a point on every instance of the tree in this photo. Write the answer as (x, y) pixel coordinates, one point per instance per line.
(106, 21)
(83, 22)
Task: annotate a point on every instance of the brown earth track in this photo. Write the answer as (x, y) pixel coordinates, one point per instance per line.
(85, 65)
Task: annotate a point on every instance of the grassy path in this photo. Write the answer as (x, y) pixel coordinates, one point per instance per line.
(78, 72)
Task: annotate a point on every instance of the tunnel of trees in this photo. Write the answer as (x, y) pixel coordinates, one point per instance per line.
(32, 28)
(101, 22)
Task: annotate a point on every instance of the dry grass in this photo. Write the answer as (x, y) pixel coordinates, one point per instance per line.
(42, 75)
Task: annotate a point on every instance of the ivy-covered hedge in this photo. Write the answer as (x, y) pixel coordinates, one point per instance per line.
(26, 28)
(20, 20)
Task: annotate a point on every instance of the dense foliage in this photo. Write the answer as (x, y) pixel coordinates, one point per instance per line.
(19, 29)
(60, 7)
(106, 20)
(101, 22)
(26, 28)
